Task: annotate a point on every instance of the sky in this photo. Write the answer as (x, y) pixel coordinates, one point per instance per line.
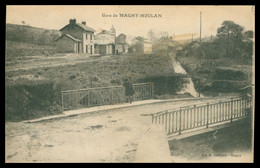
(175, 20)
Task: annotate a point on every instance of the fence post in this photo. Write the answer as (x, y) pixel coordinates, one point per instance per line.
(248, 106)
(62, 106)
(166, 118)
(231, 110)
(152, 90)
(220, 109)
(180, 123)
(194, 116)
(112, 96)
(208, 115)
(88, 98)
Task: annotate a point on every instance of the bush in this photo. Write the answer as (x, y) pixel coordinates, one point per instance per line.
(95, 79)
(170, 84)
(229, 74)
(72, 77)
(30, 101)
(226, 86)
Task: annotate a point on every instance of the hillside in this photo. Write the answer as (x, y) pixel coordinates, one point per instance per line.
(212, 71)
(16, 50)
(31, 35)
(24, 40)
(36, 92)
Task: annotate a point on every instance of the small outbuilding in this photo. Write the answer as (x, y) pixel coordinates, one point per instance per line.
(76, 38)
(121, 45)
(68, 44)
(105, 43)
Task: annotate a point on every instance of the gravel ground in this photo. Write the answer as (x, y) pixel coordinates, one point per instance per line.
(104, 137)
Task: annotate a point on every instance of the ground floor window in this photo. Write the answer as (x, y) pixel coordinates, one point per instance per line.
(86, 48)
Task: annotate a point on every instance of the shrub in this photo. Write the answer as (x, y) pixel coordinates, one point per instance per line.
(31, 101)
(168, 84)
(229, 74)
(72, 77)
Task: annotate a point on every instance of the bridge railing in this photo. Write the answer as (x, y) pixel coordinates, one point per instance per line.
(186, 118)
(73, 99)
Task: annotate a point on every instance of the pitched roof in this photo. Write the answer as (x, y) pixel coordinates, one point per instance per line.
(139, 38)
(72, 38)
(82, 26)
(121, 38)
(147, 41)
(86, 28)
(104, 32)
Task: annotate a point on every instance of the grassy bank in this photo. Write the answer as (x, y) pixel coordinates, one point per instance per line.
(31, 35)
(219, 75)
(36, 92)
(15, 51)
(32, 100)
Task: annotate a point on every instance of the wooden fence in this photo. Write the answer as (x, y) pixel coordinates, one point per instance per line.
(73, 99)
(187, 118)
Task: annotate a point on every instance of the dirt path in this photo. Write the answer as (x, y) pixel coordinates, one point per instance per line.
(107, 137)
(31, 62)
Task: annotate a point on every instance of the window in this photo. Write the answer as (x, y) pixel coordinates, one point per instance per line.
(86, 48)
(86, 36)
(90, 36)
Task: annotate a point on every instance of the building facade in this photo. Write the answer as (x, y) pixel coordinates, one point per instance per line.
(68, 44)
(77, 38)
(105, 43)
(142, 45)
(121, 45)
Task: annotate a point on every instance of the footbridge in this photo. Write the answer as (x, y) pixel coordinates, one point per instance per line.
(176, 121)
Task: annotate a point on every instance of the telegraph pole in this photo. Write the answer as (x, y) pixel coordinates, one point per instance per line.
(200, 24)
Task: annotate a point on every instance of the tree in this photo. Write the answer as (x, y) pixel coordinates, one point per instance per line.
(247, 48)
(248, 35)
(230, 36)
(151, 35)
(230, 30)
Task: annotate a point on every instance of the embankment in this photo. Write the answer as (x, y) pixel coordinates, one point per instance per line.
(229, 144)
(214, 76)
(15, 51)
(35, 93)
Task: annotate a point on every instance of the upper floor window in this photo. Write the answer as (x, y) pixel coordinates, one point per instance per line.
(86, 36)
(90, 36)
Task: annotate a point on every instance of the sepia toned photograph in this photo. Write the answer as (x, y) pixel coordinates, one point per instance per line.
(129, 84)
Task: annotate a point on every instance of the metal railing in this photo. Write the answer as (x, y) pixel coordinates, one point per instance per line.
(73, 99)
(187, 118)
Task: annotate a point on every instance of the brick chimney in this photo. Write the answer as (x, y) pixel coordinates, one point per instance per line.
(84, 22)
(72, 21)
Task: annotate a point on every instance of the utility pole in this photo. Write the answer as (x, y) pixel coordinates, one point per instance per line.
(200, 24)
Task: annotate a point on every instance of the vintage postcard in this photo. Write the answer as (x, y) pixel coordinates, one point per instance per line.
(131, 84)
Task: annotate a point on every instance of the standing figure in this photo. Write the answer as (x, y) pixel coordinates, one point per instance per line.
(129, 91)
